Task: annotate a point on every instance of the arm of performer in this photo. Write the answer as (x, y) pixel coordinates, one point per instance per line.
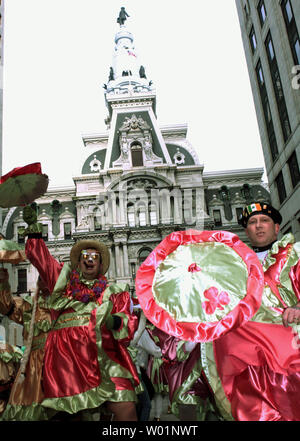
(122, 321)
(37, 252)
(148, 344)
(291, 315)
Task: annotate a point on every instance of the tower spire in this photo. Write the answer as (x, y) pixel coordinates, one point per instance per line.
(126, 75)
(135, 139)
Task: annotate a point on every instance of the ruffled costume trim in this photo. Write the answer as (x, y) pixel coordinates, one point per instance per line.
(249, 351)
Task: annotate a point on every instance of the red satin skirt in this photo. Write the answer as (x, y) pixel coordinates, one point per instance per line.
(71, 361)
(259, 366)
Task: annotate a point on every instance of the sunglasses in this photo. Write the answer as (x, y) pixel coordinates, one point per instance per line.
(93, 255)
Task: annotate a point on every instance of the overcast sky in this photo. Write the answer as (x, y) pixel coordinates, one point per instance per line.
(57, 55)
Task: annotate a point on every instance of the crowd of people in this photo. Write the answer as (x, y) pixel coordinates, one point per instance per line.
(90, 352)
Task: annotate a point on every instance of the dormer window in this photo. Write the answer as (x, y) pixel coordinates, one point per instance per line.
(137, 155)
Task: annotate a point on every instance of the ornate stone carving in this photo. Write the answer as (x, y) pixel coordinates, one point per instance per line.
(124, 147)
(148, 147)
(179, 157)
(238, 199)
(134, 123)
(95, 164)
(215, 201)
(142, 184)
(135, 131)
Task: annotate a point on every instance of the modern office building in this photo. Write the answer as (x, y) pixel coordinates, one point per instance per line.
(270, 33)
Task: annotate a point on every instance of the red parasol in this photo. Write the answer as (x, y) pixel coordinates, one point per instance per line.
(197, 285)
(22, 185)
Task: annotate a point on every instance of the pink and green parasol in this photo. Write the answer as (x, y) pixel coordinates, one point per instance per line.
(198, 285)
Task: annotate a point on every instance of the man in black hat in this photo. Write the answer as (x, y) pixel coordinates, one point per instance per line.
(258, 363)
(262, 224)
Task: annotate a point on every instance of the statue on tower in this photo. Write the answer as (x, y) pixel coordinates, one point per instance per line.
(111, 74)
(142, 72)
(122, 16)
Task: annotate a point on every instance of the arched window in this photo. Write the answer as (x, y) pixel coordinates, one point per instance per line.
(143, 254)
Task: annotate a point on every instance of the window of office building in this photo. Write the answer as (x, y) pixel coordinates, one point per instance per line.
(260, 75)
(294, 169)
(252, 39)
(267, 112)
(278, 90)
(270, 49)
(297, 51)
(22, 281)
(247, 9)
(262, 13)
(267, 109)
(287, 8)
(280, 187)
(291, 28)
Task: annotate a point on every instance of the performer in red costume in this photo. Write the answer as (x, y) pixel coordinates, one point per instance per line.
(33, 314)
(258, 364)
(86, 360)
